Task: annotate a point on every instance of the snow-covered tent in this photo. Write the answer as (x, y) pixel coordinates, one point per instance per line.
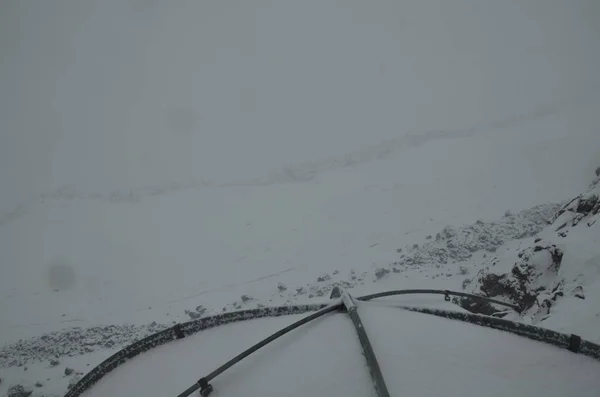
(364, 346)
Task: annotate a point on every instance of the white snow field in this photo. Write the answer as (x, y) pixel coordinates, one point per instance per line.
(158, 157)
(420, 355)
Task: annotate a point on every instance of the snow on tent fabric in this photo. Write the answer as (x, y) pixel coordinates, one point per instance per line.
(392, 350)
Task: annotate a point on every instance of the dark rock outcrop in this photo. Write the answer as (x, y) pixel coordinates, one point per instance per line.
(534, 279)
(522, 285)
(19, 391)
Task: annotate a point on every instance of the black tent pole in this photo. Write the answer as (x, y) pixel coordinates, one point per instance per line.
(204, 383)
(351, 308)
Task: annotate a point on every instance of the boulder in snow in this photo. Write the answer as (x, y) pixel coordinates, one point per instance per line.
(19, 391)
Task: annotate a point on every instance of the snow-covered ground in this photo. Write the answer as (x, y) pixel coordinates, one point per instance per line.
(162, 161)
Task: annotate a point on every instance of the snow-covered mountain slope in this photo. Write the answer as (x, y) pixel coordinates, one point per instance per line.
(480, 258)
(555, 275)
(196, 152)
(166, 161)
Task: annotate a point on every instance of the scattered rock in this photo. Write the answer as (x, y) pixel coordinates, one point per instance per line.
(69, 371)
(25, 369)
(587, 204)
(200, 309)
(428, 237)
(39, 384)
(300, 291)
(381, 272)
(598, 171)
(561, 227)
(19, 391)
(462, 270)
(71, 342)
(281, 287)
(458, 244)
(336, 272)
(73, 381)
(508, 214)
(578, 292)
(523, 285)
(323, 278)
(246, 298)
(193, 315)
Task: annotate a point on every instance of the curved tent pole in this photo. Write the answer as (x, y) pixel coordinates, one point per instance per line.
(446, 294)
(204, 383)
(571, 342)
(348, 302)
(179, 331)
(343, 298)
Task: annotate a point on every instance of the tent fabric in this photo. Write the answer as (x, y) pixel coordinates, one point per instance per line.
(419, 354)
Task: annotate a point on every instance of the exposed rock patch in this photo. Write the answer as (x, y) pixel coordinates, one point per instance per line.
(73, 342)
(530, 275)
(459, 244)
(19, 391)
(534, 282)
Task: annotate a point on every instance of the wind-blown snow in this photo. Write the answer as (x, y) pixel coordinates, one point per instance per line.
(157, 157)
(192, 151)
